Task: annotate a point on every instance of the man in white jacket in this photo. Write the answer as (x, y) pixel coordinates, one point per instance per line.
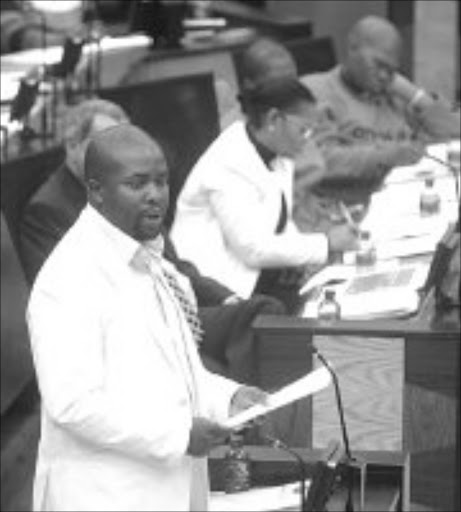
(128, 411)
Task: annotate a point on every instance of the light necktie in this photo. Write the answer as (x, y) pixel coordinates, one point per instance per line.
(188, 307)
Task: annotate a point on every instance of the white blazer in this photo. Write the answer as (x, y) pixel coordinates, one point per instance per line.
(116, 405)
(228, 210)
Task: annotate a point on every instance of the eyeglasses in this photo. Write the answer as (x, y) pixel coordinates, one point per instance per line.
(305, 131)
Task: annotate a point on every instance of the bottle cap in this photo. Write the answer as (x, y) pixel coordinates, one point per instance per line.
(329, 294)
(429, 182)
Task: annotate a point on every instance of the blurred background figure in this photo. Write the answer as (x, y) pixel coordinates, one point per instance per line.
(58, 202)
(34, 23)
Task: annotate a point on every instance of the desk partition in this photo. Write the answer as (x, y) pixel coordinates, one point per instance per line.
(400, 387)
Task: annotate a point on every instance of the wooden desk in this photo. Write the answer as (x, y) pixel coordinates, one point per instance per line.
(400, 387)
(386, 475)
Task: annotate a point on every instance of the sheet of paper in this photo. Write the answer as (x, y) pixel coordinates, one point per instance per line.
(261, 499)
(305, 386)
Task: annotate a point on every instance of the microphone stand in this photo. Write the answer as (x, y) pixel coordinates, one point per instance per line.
(276, 443)
(349, 461)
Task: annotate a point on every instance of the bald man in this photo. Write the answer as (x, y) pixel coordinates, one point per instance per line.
(128, 411)
(375, 119)
(262, 60)
(380, 113)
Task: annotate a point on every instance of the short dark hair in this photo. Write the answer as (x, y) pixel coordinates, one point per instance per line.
(283, 94)
(265, 59)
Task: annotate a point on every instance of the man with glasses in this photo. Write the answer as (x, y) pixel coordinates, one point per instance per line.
(233, 217)
(382, 119)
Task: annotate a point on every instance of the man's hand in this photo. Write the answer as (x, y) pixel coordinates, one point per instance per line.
(232, 299)
(342, 238)
(245, 397)
(205, 435)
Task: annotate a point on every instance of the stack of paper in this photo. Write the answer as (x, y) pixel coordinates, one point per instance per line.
(386, 290)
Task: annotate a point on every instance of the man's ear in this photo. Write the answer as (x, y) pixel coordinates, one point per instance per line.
(272, 117)
(94, 191)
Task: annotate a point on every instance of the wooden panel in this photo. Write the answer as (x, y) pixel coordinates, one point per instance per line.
(430, 421)
(436, 46)
(370, 376)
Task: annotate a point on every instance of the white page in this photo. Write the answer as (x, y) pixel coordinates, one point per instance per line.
(261, 499)
(305, 386)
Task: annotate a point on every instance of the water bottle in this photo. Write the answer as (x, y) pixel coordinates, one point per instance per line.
(429, 203)
(366, 253)
(237, 470)
(329, 308)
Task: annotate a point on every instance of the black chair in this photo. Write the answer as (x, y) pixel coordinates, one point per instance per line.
(180, 113)
(20, 178)
(312, 55)
(16, 360)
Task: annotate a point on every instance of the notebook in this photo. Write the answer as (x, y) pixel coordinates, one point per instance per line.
(383, 291)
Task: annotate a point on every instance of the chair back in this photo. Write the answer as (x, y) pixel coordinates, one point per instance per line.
(313, 55)
(20, 179)
(16, 361)
(180, 113)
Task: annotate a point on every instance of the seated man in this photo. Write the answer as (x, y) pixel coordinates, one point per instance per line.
(233, 217)
(382, 119)
(129, 413)
(262, 60)
(57, 205)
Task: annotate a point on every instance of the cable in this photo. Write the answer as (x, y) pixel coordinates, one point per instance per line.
(280, 445)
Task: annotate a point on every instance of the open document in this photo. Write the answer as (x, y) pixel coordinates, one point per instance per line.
(385, 290)
(305, 386)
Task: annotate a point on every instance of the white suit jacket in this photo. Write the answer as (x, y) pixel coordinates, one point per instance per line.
(117, 405)
(228, 210)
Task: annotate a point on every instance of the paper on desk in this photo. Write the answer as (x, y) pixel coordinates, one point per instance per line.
(425, 166)
(263, 498)
(305, 386)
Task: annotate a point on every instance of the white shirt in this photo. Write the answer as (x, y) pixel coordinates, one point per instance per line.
(228, 210)
(120, 378)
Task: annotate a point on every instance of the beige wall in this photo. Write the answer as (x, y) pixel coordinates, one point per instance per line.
(436, 46)
(330, 17)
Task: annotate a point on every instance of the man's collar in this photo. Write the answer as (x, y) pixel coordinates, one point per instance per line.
(266, 154)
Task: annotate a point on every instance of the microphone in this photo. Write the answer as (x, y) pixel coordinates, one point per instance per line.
(278, 444)
(349, 460)
(448, 166)
(339, 403)
(324, 474)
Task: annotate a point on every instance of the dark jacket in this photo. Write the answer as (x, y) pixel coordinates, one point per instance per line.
(55, 207)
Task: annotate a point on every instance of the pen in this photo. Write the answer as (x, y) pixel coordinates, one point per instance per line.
(347, 216)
